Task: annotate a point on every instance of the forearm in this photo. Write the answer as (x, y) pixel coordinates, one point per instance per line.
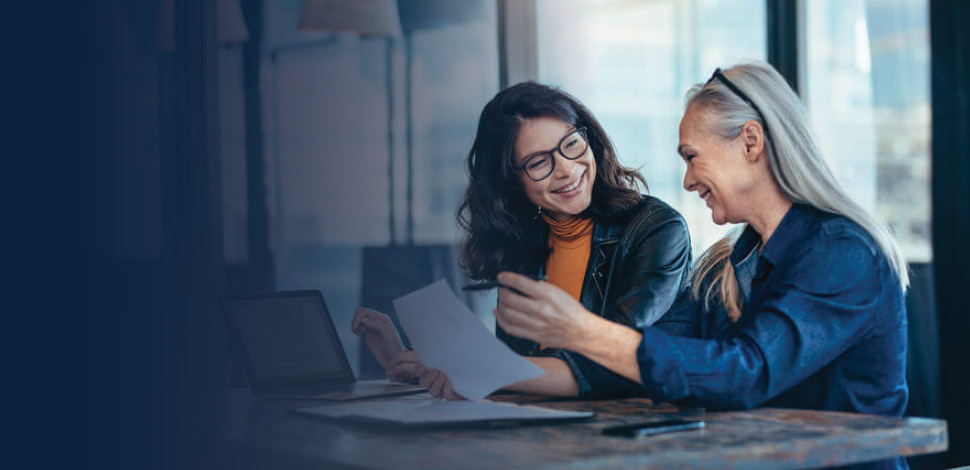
(557, 381)
(612, 345)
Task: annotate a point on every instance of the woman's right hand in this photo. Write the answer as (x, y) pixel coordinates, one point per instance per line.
(438, 385)
(405, 366)
(380, 335)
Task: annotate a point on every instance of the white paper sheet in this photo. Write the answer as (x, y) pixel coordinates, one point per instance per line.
(433, 410)
(447, 336)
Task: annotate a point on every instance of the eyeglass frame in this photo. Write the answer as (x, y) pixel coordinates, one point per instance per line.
(740, 94)
(552, 153)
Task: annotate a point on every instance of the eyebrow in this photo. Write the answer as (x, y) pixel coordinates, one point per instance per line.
(682, 148)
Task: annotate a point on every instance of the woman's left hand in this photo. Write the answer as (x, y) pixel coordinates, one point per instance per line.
(545, 313)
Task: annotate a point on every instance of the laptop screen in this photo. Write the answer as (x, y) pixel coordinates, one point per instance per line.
(286, 340)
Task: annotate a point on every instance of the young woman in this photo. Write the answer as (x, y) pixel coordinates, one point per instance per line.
(547, 197)
(803, 310)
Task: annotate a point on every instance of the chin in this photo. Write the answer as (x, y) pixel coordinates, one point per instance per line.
(572, 207)
(580, 208)
(718, 218)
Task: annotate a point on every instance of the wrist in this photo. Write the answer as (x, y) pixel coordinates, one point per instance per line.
(586, 332)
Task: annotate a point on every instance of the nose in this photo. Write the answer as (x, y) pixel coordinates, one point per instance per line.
(689, 182)
(564, 166)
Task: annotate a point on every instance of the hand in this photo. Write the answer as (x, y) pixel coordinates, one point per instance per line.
(545, 313)
(405, 366)
(379, 333)
(438, 385)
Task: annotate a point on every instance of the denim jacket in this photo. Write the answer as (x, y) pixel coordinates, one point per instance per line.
(636, 269)
(823, 327)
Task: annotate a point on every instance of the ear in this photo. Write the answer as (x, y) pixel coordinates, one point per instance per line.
(753, 139)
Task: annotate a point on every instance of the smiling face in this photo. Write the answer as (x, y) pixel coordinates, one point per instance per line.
(569, 189)
(717, 168)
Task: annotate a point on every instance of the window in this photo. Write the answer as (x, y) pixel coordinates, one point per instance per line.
(328, 100)
(454, 73)
(867, 87)
(632, 62)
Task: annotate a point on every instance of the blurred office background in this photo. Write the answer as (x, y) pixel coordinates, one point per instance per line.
(314, 144)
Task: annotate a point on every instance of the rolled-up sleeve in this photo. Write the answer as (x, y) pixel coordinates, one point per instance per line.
(593, 380)
(823, 304)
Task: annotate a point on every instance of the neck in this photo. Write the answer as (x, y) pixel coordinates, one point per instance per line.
(559, 216)
(768, 213)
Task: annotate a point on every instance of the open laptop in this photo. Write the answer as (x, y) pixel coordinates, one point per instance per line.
(289, 347)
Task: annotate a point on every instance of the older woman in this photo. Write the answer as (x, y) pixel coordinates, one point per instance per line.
(803, 310)
(547, 197)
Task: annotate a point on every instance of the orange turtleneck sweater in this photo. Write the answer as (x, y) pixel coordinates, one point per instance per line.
(571, 241)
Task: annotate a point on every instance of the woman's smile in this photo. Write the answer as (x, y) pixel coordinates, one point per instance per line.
(574, 188)
(567, 190)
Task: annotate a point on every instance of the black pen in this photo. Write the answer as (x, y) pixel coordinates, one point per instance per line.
(493, 283)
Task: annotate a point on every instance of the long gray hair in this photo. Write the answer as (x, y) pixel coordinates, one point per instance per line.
(795, 162)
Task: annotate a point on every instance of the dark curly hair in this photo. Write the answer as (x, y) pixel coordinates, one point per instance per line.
(501, 231)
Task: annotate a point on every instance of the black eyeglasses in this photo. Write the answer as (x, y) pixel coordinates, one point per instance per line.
(737, 91)
(540, 165)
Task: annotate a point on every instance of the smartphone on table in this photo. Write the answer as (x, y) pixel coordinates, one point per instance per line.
(654, 427)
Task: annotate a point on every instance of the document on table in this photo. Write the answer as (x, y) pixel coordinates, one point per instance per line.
(427, 410)
(447, 336)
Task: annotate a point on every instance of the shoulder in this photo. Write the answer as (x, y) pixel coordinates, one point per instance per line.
(652, 211)
(836, 253)
(836, 267)
(830, 235)
(835, 228)
(654, 219)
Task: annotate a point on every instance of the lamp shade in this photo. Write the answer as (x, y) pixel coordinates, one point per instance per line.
(367, 17)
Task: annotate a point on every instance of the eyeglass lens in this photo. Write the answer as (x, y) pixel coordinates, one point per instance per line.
(572, 147)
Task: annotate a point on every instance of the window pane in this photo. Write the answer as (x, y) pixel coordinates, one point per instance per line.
(454, 73)
(867, 88)
(335, 124)
(632, 62)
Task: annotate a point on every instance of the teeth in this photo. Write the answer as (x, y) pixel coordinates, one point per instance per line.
(570, 187)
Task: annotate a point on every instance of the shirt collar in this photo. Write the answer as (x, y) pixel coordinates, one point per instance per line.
(790, 229)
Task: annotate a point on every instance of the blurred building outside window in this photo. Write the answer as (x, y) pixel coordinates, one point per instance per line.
(631, 64)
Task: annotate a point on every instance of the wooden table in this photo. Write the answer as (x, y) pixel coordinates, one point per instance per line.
(260, 433)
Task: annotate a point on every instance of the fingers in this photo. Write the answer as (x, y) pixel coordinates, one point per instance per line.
(516, 323)
(428, 378)
(365, 318)
(522, 313)
(449, 391)
(436, 389)
(404, 357)
(523, 284)
(509, 299)
(404, 372)
(439, 386)
(404, 366)
(355, 324)
(371, 323)
(432, 381)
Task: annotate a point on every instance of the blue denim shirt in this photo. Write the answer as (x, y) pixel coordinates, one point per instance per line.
(823, 327)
